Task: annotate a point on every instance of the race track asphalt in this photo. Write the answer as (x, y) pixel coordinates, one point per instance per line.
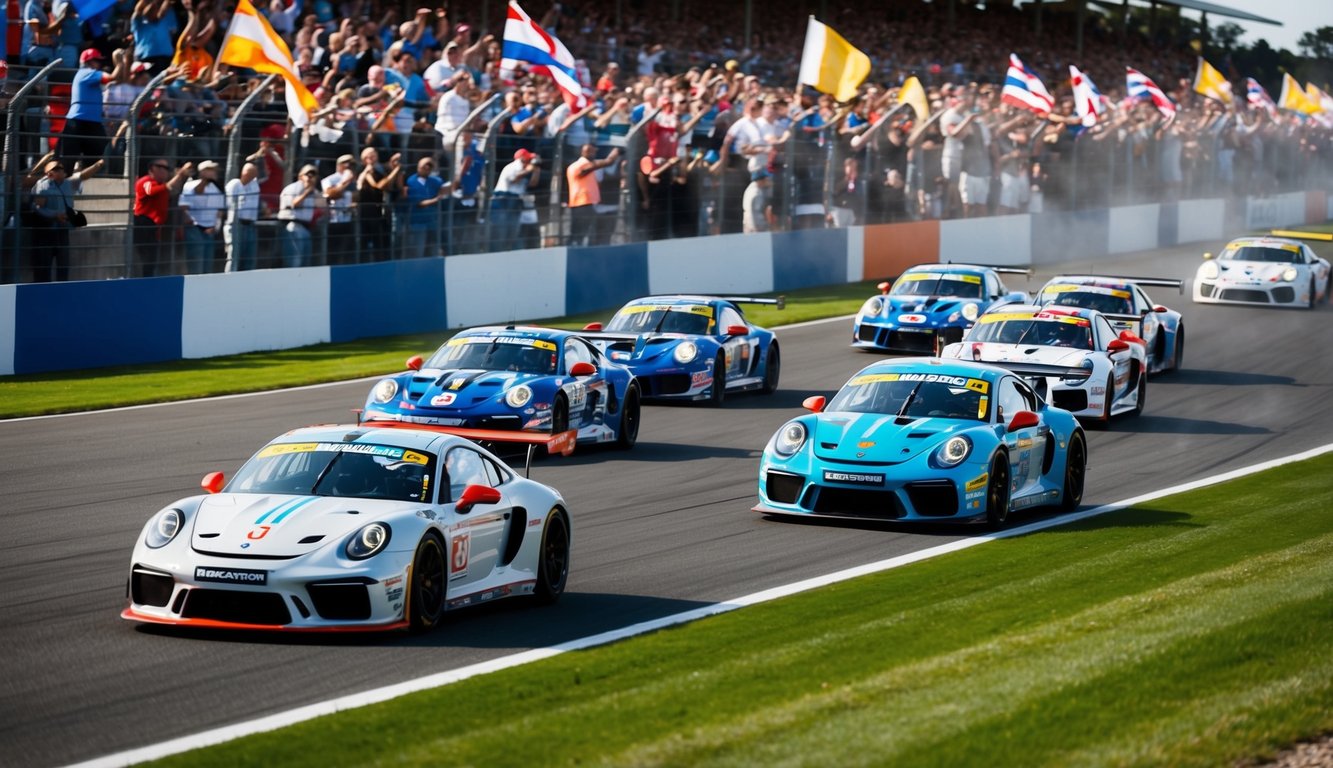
(658, 530)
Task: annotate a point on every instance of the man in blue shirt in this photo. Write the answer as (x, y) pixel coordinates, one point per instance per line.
(84, 139)
(154, 26)
(425, 190)
(464, 228)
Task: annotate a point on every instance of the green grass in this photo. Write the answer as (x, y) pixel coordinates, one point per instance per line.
(39, 394)
(1190, 631)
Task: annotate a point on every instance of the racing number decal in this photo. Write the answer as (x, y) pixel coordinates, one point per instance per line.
(261, 530)
(460, 550)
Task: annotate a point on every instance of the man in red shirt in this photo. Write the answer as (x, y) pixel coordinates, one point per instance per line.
(152, 195)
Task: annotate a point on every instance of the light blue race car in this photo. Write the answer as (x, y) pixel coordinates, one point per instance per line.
(931, 306)
(925, 440)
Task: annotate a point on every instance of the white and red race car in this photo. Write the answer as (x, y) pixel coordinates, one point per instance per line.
(1073, 355)
(1273, 270)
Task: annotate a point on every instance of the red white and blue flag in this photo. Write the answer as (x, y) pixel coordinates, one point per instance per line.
(1089, 103)
(1258, 98)
(1022, 88)
(1140, 86)
(527, 45)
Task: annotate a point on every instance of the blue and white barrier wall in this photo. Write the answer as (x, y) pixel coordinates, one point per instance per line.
(91, 324)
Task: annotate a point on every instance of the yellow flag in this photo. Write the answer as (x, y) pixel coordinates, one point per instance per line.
(1321, 99)
(1294, 98)
(830, 64)
(252, 43)
(912, 93)
(1209, 82)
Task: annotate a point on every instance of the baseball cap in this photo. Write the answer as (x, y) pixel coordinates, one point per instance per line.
(462, 29)
(732, 65)
(208, 165)
(346, 159)
(307, 168)
(138, 67)
(523, 154)
(762, 173)
(92, 54)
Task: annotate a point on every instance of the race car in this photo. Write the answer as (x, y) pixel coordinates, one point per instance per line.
(931, 305)
(692, 347)
(1075, 357)
(1124, 304)
(1274, 270)
(372, 526)
(514, 378)
(925, 440)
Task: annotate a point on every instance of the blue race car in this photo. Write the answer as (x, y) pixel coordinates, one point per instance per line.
(925, 440)
(931, 306)
(514, 378)
(1128, 308)
(691, 347)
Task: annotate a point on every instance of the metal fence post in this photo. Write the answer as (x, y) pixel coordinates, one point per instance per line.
(14, 174)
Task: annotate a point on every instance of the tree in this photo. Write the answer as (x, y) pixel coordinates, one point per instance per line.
(1226, 36)
(1317, 44)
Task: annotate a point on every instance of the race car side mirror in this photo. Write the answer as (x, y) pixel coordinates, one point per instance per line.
(1117, 345)
(1159, 308)
(474, 495)
(883, 287)
(814, 403)
(212, 482)
(582, 368)
(1023, 420)
(1207, 256)
(593, 327)
(414, 362)
(737, 330)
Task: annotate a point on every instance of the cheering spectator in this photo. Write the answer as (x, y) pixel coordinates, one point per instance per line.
(425, 192)
(243, 210)
(452, 111)
(848, 195)
(372, 188)
(53, 199)
(297, 210)
(38, 42)
(204, 204)
(337, 190)
(757, 210)
(584, 177)
(507, 198)
(153, 23)
(463, 234)
(152, 196)
(84, 139)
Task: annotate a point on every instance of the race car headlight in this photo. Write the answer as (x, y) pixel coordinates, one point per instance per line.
(368, 542)
(385, 390)
(685, 352)
(970, 311)
(1208, 271)
(1077, 375)
(873, 306)
(789, 439)
(517, 397)
(164, 528)
(1289, 275)
(953, 451)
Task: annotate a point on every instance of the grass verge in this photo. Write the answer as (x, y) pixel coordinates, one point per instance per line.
(1189, 631)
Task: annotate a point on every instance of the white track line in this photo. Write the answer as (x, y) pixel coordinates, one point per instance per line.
(282, 719)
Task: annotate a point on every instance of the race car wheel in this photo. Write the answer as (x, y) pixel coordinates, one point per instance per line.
(719, 380)
(628, 433)
(1309, 302)
(1178, 359)
(1142, 396)
(772, 369)
(997, 493)
(1076, 467)
(559, 415)
(553, 567)
(426, 601)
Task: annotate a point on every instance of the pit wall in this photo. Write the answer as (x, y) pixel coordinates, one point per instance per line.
(91, 324)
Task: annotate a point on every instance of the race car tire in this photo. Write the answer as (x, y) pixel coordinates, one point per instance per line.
(553, 558)
(1142, 396)
(1178, 359)
(719, 381)
(772, 369)
(1310, 302)
(628, 432)
(997, 492)
(429, 581)
(560, 415)
(1076, 467)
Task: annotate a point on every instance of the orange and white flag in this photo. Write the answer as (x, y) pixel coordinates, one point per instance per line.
(252, 43)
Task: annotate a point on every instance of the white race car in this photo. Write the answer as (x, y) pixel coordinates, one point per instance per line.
(1270, 269)
(1076, 359)
(374, 526)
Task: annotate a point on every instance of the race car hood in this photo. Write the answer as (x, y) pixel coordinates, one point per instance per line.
(635, 349)
(934, 307)
(1257, 271)
(461, 389)
(1021, 353)
(279, 525)
(878, 437)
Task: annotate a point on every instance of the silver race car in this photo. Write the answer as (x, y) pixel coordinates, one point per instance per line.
(1272, 270)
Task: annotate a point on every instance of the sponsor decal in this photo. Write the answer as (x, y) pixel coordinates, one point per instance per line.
(957, 277)
(977, 483)
(527, 341)
(445, 398)
(854, 478)
(982, 403)
(395, 581)
(866, 444)
(693, 309)
(535, 523)
(231, 576)
(394, 594)
(976, 385)
(280, 449)
(262, 531)
(620, 355)
(1024, 442)
(700, 379)
(460, 550)
(456, 384)
(911, 318)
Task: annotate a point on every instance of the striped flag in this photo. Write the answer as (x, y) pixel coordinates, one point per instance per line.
(1022, 88)
(830, 64)
(527, 44)
(1211, 83)
(252, 43)
(1088, 101)
(1140, 86)
(1258, 98)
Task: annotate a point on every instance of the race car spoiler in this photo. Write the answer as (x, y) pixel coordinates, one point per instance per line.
(1042, 370)
(1292, 233)
(1005, 270)
(554, 442)
(780, 302)
(1157, 281)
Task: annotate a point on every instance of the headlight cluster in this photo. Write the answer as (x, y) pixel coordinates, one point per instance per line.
(789, 439)
(873, 306)
(1076, 377)
(369, 541)
(385, 390)
(970, 311)
(517, 397)
(164, 528)
(685, 352)
(1289, 275)
(1209, 270)
(953, 451)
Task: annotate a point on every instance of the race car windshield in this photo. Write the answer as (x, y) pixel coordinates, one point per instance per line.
(490, 355)
(1258, 253)
(919, 285)
(682, 319)
(911, 399)
(348, 470)
(1102, 302)
(1043, 333)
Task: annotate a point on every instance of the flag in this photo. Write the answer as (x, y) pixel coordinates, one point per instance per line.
(527, 44)
(1258, 98)
(913, 94)
(1211, 83)
(1022, 88)
(1294, 98)
(830, 64)
(1324, 101)
(252, 43)
(1088, 101)
(88, 9)
(1140, 86)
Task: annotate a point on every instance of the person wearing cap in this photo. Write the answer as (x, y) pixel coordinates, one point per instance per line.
(337, 190)
(583, 179)
(204, 204)
(84, 139)
(441, 72)
(152, 197)
(507, 198)
(297, 211)
(452, 111)
(756, 205)
(52, 201)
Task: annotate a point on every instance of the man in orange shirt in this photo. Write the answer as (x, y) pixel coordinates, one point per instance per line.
(582, 177)
(152, 196)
